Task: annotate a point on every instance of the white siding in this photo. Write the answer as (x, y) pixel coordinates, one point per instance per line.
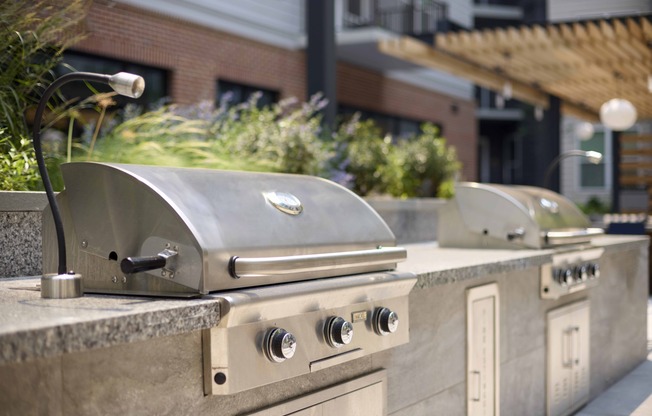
(559, 10)
(275, 22)
(460, 12)
(437, 81)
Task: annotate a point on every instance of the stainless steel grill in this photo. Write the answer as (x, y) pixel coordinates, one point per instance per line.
(301, 266)
(510, 216)
(190, 231)
(517, 217)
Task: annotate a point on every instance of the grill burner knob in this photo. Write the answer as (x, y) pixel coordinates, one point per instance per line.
(385, 322)
(339, 332)
(581, 273)
(563, 276)
(280, 345)
(556, 275)
(594, 270)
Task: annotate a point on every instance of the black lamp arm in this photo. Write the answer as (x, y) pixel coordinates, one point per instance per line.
(38, 150)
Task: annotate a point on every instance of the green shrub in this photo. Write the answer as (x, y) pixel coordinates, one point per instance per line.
(283, 137)
(429, 165)
(418, 166)
(594, 205)
(18, 171)
(366, 161)
(33, 36)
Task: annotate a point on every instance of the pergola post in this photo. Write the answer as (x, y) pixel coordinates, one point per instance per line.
(551, 142)
(615, 171)
(321, 55)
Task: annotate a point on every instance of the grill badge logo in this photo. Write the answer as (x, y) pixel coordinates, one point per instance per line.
(284, 202)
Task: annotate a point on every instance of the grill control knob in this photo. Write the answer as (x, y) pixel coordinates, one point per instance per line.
(564, 276)
(339, 332)
(594, 270)
(557, 275)
(581, 273)
(280, 345)
(385, 322)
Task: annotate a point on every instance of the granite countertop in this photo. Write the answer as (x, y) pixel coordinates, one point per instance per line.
(32, 327)
(435, 265)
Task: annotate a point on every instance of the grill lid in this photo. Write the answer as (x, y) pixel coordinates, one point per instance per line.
(215, 230)
(511, 216)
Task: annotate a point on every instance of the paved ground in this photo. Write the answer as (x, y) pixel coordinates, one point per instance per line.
(633, 394)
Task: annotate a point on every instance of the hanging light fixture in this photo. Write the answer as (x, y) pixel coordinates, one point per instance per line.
(618, 114)
(584, 130)
(500, 101)
(507, 90)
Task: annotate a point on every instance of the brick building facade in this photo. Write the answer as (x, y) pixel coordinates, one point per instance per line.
(195, 57)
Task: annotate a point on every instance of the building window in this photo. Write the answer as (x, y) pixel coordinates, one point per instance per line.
(232, 93)
(593, 176)
(398, 127)
(358, 12)
(156, 85)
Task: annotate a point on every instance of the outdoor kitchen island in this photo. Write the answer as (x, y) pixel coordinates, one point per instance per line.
(103, 354)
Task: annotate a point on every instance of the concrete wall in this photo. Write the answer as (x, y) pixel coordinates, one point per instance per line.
(427, 376)
(20, 233)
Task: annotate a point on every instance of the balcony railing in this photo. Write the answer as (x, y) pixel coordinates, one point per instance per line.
(407, 18)
(500, 2)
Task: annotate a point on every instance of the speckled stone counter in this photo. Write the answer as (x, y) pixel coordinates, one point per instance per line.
(136, 355)
(32, 327)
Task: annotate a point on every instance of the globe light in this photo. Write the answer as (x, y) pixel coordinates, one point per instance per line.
(507, 90)
(618, 114)
(584, 130)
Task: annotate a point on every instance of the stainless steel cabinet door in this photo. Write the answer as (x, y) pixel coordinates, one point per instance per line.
(482, 351)
(559, 353)
(363, 396)
(568, 349)
(362, 402)
(580, 344)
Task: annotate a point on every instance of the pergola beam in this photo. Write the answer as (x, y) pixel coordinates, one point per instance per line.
(420, 53)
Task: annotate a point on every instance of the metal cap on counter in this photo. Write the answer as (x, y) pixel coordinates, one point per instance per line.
(61, 286)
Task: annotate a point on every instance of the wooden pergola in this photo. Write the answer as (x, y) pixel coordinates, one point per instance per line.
(584, 64)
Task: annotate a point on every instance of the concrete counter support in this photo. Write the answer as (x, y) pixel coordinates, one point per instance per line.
(115, 355)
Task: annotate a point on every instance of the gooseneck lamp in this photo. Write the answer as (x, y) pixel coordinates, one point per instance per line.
(594, 157)
(66, 283)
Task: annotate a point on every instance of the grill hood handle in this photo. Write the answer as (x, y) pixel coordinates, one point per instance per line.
(275, 266)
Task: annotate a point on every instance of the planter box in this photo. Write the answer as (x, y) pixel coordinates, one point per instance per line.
(411, 220)
(20, 233)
